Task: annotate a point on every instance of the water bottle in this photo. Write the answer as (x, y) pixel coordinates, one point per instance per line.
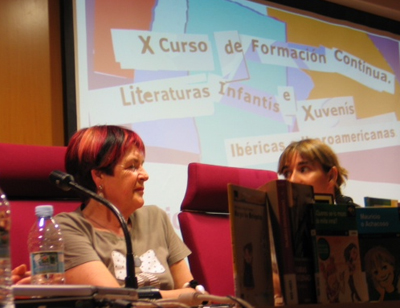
(6, 297)
(46, 248)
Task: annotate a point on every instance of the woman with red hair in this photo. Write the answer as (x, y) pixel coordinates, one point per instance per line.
(109, 160)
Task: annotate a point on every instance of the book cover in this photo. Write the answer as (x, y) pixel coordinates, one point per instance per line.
(288, 204)
(253, 274)
(379, 238)
(371, 201)
(338, 273)
(324, 198)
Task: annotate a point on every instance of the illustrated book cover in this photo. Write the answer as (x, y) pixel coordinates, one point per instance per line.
(373, 201)
(252, 261)
(338, 274)
(379, 238)
(288, 204)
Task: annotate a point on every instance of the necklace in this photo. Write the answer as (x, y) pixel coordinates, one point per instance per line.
(95, 222)
(136, 259)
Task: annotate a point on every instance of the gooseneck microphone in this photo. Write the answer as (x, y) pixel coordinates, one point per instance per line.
(66, 182)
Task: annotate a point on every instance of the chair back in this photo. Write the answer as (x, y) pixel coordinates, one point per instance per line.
(204, 221)
(24, 172)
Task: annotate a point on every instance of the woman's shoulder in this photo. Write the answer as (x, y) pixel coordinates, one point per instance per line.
(342, 199)
(73, 224)
(150, 210)
(70, 217)
(150, 213)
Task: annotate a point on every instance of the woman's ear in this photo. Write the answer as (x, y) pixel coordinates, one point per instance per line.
(97, 177)
(333, 175)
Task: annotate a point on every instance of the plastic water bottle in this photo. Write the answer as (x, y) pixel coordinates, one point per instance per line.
(6, 297)
(46, 248)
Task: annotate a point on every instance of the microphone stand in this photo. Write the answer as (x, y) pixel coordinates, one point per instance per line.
(66, 182)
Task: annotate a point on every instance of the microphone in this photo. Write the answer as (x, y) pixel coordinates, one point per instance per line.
(66, 182)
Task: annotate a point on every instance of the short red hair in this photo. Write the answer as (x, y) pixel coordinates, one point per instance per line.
(98, 148)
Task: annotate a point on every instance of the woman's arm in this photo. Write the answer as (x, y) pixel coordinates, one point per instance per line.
(96, 273)
(91, 273)
(181, 275)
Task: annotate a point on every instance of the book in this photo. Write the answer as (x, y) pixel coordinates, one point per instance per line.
(379, 238)
(371, 201)
(287, 206)
(324, 198)
(338, 272)
(252, 261)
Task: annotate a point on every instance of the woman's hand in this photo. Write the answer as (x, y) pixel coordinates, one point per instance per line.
(20, 275)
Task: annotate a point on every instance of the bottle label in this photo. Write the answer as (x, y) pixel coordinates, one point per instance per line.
(4, 243)
(45, 262)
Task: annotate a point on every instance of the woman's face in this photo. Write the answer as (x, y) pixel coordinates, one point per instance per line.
(354, 254)
(384, 274)
(125, 189)
(302, 171)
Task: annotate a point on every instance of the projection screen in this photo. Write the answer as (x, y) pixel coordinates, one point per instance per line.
(232, 82)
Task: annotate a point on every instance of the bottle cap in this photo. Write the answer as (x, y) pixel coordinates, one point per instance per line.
(44, 210)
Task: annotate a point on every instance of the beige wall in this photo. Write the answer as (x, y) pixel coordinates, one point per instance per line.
(386, 8)
(30, 73)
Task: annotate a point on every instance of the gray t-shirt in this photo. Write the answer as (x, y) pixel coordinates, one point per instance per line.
(154, 241)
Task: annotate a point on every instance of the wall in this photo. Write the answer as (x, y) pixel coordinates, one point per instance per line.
(30, 73)
(385, 8)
